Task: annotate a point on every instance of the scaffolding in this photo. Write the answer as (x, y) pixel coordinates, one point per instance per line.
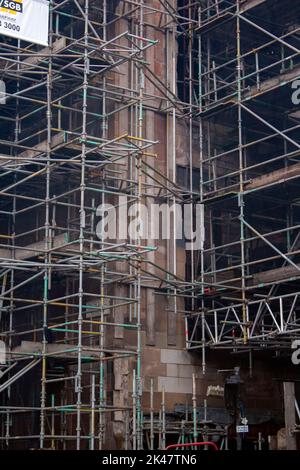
(248, 130)
(74, 136)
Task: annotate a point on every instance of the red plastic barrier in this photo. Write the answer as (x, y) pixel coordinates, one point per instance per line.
(193, 444)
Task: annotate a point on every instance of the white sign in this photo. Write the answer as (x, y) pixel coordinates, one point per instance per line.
(2, 98)
(244, 428)
(25, 19)
(2, 353)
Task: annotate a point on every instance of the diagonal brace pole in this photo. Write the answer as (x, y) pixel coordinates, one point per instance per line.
(269, 243)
